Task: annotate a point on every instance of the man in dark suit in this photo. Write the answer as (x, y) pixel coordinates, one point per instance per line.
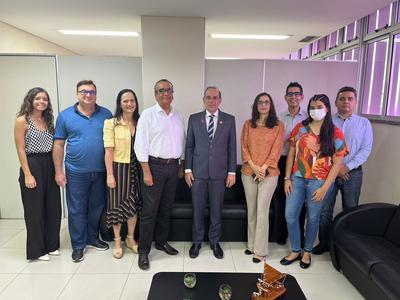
(210, 166)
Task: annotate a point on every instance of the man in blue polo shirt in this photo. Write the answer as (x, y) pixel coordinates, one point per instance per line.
(358, 136)
(81, 126)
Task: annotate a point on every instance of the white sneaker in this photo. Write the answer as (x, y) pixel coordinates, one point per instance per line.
(45, 257)
(55, 253)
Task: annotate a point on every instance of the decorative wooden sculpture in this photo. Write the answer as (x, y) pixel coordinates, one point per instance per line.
(270, 286)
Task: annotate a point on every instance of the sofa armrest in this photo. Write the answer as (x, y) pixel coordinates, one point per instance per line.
(369, 219)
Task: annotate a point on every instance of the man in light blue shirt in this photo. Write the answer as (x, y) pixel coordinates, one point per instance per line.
(290, 117)
(358, 136)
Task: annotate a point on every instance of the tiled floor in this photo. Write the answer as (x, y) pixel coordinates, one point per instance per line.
(100, 276)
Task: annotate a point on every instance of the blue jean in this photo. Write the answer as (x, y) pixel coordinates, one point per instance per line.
(303, 189)
(86, 198)
(350, 191)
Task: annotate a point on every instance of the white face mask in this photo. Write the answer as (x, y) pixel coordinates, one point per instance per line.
(318, 114)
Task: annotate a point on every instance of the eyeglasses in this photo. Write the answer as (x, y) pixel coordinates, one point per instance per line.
(296, 94)
(90, 93)
(260, 102)
(162, 91)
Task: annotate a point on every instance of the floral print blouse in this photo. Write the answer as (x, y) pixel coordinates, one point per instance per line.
(308, 163)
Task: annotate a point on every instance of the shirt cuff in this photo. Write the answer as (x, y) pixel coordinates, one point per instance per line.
(232, 173)
(188, 170)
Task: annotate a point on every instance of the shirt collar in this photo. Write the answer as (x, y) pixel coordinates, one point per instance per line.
(341, 118)
(159, 108)
(300, 113)
(96, 108)
(208, 114)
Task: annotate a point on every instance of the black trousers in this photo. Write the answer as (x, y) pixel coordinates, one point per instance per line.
(278, 231)
(42, 207)
(157, 204)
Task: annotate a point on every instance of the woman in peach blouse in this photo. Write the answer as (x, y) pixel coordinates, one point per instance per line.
(261, 141)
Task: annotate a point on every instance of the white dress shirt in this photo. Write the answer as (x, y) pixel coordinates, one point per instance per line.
(215, 118)
(159, 135)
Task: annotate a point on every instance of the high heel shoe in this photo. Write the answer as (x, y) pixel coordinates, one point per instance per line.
(118, 252)
(131, 244)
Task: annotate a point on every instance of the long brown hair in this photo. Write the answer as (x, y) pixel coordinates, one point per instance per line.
(27, 107)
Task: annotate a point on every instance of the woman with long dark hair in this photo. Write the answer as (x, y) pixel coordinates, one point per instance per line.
(316, 152)
(261, 142)
(122, 170)
(33, 134)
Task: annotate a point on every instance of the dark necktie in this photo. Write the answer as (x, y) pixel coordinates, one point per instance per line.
(210, 128)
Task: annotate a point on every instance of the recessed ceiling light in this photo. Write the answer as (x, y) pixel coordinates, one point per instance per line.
(99, 32)
(249, 36)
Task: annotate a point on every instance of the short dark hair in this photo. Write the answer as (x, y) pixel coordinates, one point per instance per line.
(347, 89)
(212, 87)
(272, 119)
(85, 82)
(294, 84)
(162, 80)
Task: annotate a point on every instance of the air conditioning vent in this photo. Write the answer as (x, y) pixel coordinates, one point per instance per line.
(308, 38)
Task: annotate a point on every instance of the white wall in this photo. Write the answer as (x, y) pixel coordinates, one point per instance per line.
(18, 74)
(110, 74)
(316, 77)
(241, 80)
(381, 171)
(14, 40)
(173, 48)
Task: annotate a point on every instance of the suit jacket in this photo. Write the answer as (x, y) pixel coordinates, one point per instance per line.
(211, 159)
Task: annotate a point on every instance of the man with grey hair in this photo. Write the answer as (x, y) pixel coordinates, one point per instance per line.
(210, 167)
(158, 146)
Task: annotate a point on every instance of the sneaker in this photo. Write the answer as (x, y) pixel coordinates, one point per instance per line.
(55, 253)
(45, 257)
(77, 255)
(98, 245)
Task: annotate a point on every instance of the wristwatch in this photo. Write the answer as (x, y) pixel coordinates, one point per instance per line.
(286, 178)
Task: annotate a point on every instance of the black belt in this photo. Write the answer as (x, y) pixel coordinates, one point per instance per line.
(164, 161)
(359, 168)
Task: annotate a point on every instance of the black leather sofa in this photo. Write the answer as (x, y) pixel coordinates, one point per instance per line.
(366, 248)
(234, 215)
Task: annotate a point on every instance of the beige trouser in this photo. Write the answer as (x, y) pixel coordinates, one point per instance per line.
(258, 198)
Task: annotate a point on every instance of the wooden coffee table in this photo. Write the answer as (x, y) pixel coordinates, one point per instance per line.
(169, 286)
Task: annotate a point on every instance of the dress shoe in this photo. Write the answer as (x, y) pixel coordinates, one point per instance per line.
(167, 248)
(77, 255)
(194, 250)
(248, 252)
(143, 261)
(305, 265)
(98, 245)
(320, 249)
(217, 251)
(284, 261)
